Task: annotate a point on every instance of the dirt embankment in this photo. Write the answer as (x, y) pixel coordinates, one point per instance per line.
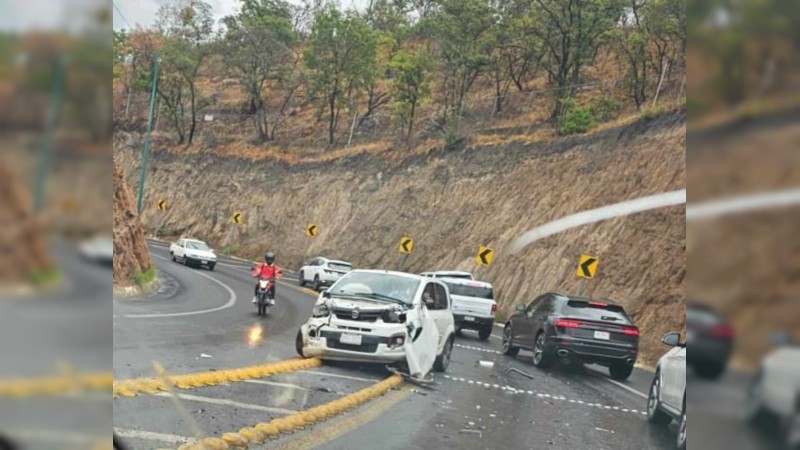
(451, 201)
(23, 253)
(130, 249)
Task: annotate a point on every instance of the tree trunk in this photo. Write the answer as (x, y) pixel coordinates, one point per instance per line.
(194, 112)
(332, 119)
(411, 119)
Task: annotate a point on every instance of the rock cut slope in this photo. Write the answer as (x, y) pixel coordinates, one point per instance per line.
(452, 200)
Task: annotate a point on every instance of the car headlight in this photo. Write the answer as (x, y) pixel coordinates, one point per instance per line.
(321, 310)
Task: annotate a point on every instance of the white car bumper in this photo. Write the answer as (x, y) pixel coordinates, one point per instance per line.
(325, 341)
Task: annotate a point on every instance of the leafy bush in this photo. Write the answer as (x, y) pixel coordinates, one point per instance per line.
(229, 250)
(44, 277)
(142, 278)
(577, 120)
(500, 317)
(605, 108)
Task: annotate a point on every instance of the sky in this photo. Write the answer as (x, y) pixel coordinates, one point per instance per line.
(143, 12)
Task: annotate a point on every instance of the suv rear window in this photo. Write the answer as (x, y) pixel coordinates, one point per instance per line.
(465, 290)
(340, 266)
(601, 311)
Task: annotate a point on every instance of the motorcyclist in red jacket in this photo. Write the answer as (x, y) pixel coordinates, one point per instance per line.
(269, 270)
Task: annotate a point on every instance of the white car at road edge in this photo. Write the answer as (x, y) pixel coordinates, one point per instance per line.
(193, 252)
(382, 317)
(667, 397)
(323, 272)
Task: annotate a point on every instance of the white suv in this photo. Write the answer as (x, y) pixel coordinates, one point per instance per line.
(382, 317)
(474, 307)
(323, 272)
(667, 399)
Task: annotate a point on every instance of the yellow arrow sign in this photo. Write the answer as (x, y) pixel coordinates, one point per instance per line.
(237, 217)
(485, 256)
(312, 230)
(587, 266)
(162, 205)
(406, 245)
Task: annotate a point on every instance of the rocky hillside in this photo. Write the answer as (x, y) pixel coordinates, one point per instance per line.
(451, 200)
(130, 249)
(23, 253)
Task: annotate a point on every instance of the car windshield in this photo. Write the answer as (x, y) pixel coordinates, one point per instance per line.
(196, 245)
(340, 266)
(465, 290)
(377, 286)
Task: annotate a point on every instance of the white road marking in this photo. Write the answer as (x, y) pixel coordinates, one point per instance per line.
(224, 402)
(627, 388)
(334, 375)
(56, 436)
(275, 383)
(231, 301)
(151, 436)
(542, 395)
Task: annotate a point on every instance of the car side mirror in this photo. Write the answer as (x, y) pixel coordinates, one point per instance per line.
(672, 339)
(781, 339)
(326, 294)
(521, 308)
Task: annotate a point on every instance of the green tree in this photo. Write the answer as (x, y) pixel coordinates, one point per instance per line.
(410, 86)
(341, 57)
(571, 33)
(187, 26)
(461, 31)
(257, 47)
(631, 42)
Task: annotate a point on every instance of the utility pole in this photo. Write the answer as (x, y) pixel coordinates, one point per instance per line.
(47, 144)
(146, 150)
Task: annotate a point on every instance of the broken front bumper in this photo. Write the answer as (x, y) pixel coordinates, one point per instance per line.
(325, 341)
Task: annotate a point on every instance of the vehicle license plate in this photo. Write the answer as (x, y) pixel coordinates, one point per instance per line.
(469, 318)
(604, 335)
(351, 339)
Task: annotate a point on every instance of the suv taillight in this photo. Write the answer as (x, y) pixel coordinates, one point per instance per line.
(631, 331)
(567, 323)
(494, 308)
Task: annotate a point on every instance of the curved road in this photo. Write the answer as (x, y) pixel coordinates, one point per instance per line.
(471, 406)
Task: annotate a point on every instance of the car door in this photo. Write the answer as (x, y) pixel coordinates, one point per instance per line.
(674, 378)
(311, 270)
(524, 324)
(421, 347)
(179, 251)
(440, 311)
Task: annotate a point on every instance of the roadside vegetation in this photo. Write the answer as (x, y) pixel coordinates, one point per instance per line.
(312, 75)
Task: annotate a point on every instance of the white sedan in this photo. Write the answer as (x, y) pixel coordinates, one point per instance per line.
(323, 272)
(667, 399)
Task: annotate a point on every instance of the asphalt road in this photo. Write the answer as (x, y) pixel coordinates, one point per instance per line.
(201, 320)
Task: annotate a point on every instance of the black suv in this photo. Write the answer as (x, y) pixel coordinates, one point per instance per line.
(574, 329)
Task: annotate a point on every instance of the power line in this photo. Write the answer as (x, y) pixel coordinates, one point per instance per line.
(121, 15)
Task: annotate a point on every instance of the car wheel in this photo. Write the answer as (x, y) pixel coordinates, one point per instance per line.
(485, 333)
(709, 371)
(298, 343)
(211, 267)
(541, 358)
(754, 407)
(508, 345)
(654, 412)
(317, 285)
(301, 278)
(620, 372)
(172, 255)
(443, 360)
(682, 429)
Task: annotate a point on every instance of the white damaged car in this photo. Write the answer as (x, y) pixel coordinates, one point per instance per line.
(382, 317)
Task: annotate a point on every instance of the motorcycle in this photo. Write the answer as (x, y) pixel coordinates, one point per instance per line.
(263, 295)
